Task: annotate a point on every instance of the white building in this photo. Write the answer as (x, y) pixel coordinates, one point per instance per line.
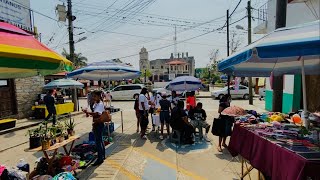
(298, 12)
(167, 68)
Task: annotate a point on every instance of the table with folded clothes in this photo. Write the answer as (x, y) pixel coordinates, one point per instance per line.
(270, 150)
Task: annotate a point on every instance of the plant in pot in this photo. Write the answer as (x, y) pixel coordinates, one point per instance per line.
(45, 137)
(34, 138)
(70, 126)
(59, 132)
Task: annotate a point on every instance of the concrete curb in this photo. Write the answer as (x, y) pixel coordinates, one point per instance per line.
(32, 125)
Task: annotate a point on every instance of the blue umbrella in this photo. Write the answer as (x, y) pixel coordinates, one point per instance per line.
(105, 70)
(283, 51)
(63, 83)
(185, 83)
(289, 50)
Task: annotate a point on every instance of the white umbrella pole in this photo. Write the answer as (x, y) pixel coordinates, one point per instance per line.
(304, 95)
(109, 87)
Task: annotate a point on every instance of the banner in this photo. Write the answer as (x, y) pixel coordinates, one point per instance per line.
(16, 12)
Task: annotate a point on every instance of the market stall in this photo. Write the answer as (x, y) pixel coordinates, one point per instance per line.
(276, 144)
(276, 157)
(64, 108)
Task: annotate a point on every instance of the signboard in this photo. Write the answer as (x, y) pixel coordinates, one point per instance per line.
(16, 12)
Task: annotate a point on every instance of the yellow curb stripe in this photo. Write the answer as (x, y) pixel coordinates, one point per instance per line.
(130, 175)
(171, 165)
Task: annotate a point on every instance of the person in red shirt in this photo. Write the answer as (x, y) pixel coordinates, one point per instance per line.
(191, 100)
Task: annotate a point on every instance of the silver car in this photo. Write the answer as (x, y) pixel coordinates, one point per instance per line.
(241, 92)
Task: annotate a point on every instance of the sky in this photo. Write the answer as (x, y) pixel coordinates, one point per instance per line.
(120, 28)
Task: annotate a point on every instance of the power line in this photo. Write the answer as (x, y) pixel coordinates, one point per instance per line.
(163, 47)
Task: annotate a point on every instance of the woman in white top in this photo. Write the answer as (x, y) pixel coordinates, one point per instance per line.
(97, 125)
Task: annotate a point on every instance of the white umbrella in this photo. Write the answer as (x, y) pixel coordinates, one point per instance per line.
(185, 83)
(63, 83)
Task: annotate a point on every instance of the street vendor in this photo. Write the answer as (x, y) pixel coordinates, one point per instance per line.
(98, 125)
(50, 104)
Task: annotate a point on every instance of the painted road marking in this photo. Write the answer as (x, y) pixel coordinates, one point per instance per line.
(156, 171)
(130, 175)
(171, 165)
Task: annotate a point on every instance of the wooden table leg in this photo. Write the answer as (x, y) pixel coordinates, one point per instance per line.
(68, 152)
(242, 167)
(121, 121)
(50, 161)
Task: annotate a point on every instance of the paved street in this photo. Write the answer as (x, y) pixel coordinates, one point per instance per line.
(129, 157)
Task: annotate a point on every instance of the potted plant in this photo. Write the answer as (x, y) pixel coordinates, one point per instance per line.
(45, 137)
(70, 126)
(34, 138)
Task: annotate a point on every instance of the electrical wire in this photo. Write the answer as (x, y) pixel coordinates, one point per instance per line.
(163, 47)
(134, 14)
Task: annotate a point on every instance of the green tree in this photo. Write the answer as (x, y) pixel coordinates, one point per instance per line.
(79, 60)
(147, 72)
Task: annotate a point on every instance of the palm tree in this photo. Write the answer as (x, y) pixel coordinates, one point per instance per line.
(79, 60)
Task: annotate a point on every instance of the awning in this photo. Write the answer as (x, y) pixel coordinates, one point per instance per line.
(21, 55)
(279, 52)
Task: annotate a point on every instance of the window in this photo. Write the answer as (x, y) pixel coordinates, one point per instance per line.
(152, 67)
(171, 68)
(175, 68)
(135, 87)
(231, 88)
(3, 83)
(118, 88)
(186, 67)
(242, 87)
(161, 67)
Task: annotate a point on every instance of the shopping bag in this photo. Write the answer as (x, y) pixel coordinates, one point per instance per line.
(217, 126)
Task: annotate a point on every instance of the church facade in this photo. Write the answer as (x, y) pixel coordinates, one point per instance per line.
(169, 68)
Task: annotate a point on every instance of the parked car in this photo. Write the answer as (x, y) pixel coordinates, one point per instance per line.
(126, 92)
(181, 94)
(262, 93)
(242, 92)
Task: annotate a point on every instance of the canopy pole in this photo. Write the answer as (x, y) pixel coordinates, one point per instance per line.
(304, 95)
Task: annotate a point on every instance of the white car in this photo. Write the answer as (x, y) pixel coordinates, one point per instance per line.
(126, 92)
(242, 92)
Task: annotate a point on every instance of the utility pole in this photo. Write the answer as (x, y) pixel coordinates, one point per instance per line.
(249, 42)
(71, 46)
(228, 53)
(277, 82)
(145, 76)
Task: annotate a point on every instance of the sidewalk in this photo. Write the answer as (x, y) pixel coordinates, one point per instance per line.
(27, 123)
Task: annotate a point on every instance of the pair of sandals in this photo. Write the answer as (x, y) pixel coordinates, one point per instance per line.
(220, 149)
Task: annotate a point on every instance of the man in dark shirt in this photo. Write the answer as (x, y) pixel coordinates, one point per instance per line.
(179, 121)
(198, 117)
(50, 104)
(165, 105)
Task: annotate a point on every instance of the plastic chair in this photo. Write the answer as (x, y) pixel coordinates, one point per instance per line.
(200, 132)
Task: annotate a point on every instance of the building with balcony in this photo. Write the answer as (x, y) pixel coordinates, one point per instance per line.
(298, 12)
(169, 68)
